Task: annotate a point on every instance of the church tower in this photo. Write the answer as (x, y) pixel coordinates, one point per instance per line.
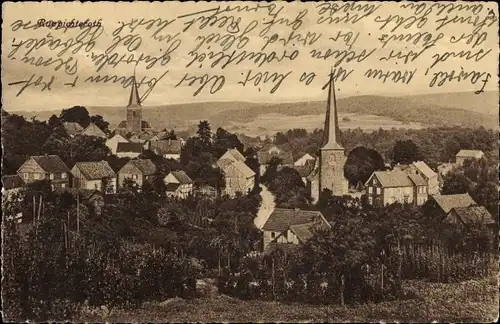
(332, 157)
(134, 110)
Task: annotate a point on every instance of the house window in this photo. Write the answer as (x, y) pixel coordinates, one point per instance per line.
(63, 175)
(25, 175)
(273, 235)
(63, 185)
(370, 200)
(370, 189)
(406, 199)
(134, 176)
(424, 189)
(51, 176)
(36, 176)
(378, 191)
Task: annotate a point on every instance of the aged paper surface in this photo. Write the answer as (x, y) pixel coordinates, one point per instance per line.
(173, 124)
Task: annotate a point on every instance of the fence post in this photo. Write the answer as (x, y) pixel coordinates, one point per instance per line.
(382, 280)
(400, 260)
(342, 287)
(273, 278)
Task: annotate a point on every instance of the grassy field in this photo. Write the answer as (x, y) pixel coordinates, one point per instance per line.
(471, 301)
(269, 124)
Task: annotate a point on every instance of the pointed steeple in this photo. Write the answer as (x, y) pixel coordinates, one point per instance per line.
(134, 100)
(331, 131)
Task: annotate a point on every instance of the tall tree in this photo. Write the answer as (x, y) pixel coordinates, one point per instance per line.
(272, 170)
(54, 121)
(77, 149)
(289, 189)
(76, 114)
(225, 140)
(204, 134)
(361, 163)
(405, 152)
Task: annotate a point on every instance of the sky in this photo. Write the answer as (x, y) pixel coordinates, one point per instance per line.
(112, 15)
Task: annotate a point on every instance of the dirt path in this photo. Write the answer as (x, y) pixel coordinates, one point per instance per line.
(266, 208)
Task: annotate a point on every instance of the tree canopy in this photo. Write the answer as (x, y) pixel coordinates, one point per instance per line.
(361, 163)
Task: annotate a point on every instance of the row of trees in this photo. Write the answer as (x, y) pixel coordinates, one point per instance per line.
(364, 256)
(478, 178)
(23, 138)
(434, 145)
(142, 246)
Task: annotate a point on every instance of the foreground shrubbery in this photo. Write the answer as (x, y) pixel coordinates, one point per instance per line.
(47, 279)
(471, 301)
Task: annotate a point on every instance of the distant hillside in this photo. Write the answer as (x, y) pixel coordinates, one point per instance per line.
(470, 111)
(485, 102)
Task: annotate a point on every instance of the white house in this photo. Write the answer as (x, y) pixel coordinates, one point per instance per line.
(112, 142)
(94, 176)
(72, 128)
(179, 184)
(233, 155)
(237, 175)
(292, 226)
(463, 155)
(303, 159)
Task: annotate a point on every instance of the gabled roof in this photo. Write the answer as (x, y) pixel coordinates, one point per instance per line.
(50, 163)
(145, 136)
(394, 178)
(166, 147)
(305, 231)
(94, 130)
(161, 134)
(447, 202)
(237, 155)
(182, 177)
(72, 128)
(95, 170)
(120, 136)
(305, 170)
(425, 169)
(417, 180)
(12, 182)
(146, 166)
(223, 163)
(129, 147)
(474, 214)
(243, 169)
(469, 153)
(281, 218)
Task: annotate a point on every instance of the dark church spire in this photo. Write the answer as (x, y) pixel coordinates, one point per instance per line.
(331, 131)
(134, 100)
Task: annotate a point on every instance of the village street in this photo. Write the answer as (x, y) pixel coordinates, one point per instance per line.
(266, 207)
